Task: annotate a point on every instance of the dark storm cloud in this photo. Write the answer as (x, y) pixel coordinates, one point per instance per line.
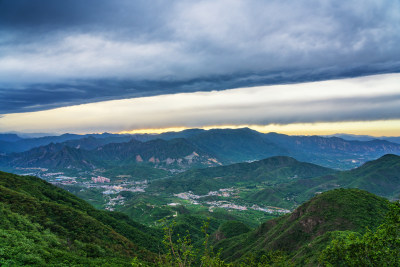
(34, 97)
(60, 53)
(38, 16)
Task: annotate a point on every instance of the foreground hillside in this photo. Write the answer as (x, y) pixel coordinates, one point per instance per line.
(305, 232)
(44, 225)
(47, 226)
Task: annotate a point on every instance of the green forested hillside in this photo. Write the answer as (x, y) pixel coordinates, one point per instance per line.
(47, 226)
(42, 224)
(381, 176)
(270, 171)
(306, 231)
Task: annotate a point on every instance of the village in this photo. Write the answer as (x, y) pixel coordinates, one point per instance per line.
(111, 189)
(225, 204)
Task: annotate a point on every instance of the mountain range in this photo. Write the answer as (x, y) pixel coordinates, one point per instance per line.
(171, 154)
(354, 137)
(186, 149)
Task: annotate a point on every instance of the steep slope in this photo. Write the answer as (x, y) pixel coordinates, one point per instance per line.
(54, 156)
(73, 225)
(167, 153)
(381, 176)
(340, 209)
(236, 145)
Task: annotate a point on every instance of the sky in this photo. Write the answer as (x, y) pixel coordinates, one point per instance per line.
(298, 67)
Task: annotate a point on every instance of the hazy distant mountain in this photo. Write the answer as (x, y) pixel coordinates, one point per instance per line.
(28, 143)
(168, 153)
(173, 154)
(91, 142)
(352, 137)
(9, 137)
(24, 144)
(182, 134)
(333, 152)
(54, 156)
(224, 146)
(229, 145)
(392, 139)
(237, 145)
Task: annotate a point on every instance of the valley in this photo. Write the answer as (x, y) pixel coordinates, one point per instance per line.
(298, 237)
(119, 193)
(156, 182)
(249, 192)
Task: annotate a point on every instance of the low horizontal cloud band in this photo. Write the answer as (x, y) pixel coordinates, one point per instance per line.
(366, 98)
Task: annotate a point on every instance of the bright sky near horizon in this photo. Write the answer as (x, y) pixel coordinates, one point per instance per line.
(363, 105)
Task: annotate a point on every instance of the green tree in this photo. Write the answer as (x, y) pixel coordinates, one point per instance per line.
(378, 248)
(181, 252)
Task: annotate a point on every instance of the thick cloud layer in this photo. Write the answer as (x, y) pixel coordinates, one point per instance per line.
(58, 53)
(368, 98)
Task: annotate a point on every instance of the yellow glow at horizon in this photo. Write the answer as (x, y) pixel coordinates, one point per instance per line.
(372, 128)
(254, 107)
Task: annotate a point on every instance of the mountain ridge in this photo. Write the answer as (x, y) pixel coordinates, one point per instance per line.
(335, 210)
(236, 145)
